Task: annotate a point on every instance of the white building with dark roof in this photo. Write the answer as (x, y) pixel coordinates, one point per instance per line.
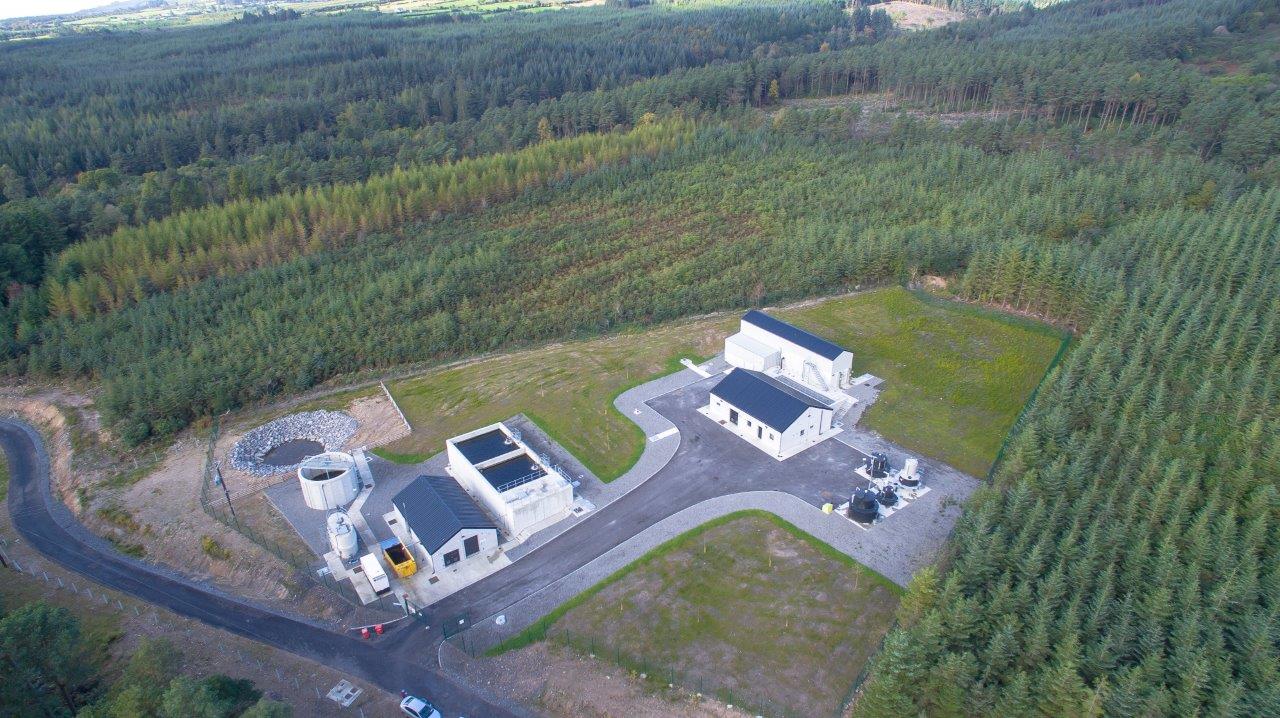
(441, 524)
(520, 489)
(774, 414)
(766, 344)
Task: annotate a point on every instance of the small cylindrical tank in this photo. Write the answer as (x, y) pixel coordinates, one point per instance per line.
(342, 535)
(909, 476)
(863, 506)
(329, 480)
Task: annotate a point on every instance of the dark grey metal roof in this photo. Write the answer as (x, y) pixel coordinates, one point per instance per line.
(793, 334)
(490, 444)
(763, 397)
(437, 508)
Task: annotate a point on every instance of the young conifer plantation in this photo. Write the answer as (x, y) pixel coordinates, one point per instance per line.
(402, 190)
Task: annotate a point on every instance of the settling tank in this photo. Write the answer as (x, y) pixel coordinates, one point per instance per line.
(329, 480)
(342, 535)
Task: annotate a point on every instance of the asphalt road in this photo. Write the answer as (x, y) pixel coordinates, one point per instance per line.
(404, 658)
(709, 462)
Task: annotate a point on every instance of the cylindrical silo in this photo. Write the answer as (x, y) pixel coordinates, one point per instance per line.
(329, 480)
(342, 535)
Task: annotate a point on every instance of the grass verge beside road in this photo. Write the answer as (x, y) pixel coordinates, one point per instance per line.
(745, 605)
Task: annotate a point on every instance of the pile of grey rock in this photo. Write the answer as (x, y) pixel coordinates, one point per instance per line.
(331, 429)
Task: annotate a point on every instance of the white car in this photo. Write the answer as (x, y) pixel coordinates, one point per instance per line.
(415, 707)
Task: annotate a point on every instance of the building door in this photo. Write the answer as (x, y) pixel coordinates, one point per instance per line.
(471, 545)
(452, 557)
(759, 432)
(733, 416)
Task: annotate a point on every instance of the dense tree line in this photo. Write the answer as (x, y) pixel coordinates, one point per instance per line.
(1016, 63)
(179, 251)
(242, 87)
(254, 111)
(52, 668)
(1125, 562)
(724, 218)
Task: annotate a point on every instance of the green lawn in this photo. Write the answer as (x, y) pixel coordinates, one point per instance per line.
(568, 389)
(955, 380)
(747, 608)
(4, 476)
(956, 376)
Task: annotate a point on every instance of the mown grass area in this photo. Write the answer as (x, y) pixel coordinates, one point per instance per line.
(567, 389)
(956, 376)
(4, 476)
(955, 379)
(746, 605)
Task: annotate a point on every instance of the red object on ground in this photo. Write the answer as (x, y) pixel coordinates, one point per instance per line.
(364, 633)
(378, 629)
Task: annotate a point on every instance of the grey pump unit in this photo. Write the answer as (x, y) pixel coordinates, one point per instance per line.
(887, 496)
(878, 465)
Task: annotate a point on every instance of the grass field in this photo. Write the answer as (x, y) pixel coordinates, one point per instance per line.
(955, 380)
(568, 389)
(955, 376)
(747, 608)
(4, 476)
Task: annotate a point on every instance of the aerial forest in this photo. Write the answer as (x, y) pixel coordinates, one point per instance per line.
(300, 201)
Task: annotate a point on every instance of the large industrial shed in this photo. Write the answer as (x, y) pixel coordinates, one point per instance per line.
(437, 515)
(764, 343)
(516, 486)
(775, 416)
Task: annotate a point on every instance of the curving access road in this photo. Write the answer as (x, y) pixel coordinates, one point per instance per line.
(402, 659)
(678, 481)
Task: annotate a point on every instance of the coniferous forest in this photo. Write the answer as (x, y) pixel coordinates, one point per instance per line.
(224, 215)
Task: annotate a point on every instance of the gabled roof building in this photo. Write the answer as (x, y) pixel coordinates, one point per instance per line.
(767, 344)
(442, 522)
(774, 414)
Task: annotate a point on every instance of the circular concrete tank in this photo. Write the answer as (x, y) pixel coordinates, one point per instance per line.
(342, 535)
(329, 480)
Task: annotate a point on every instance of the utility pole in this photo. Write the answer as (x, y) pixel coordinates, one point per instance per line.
(217, 479)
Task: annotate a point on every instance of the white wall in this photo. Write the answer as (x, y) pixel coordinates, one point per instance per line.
(835, 373)
(748, 427)
(749, 353)
(540, 502)
(814, 423)
(488, 543)
(471, 480)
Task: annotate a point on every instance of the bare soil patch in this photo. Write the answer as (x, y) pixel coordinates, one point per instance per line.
(559, 682)
(918, 16)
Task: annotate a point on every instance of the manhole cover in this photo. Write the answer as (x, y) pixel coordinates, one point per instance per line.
(345, 693)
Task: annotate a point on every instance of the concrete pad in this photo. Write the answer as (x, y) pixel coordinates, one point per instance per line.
(426, 588)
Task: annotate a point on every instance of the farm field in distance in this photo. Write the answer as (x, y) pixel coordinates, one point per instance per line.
(746, 608)
(955, 380)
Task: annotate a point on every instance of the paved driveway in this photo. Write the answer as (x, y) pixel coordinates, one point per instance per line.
(711, 463)
(706, 474)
